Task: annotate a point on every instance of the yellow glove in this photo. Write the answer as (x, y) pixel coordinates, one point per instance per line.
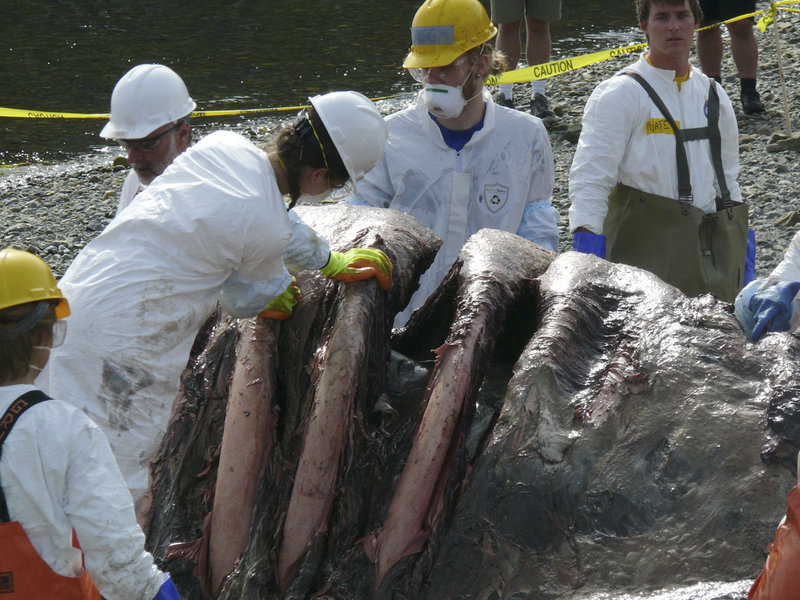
(359, 264)
(281, 306)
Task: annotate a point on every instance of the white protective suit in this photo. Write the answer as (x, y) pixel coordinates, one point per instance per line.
(141, 289)
(787, 270)
(130, 187)
(58, 473)
(501, 179)
(615, 145)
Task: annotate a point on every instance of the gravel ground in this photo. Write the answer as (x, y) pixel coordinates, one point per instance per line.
(55, 212)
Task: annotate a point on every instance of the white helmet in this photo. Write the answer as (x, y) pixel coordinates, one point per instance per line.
(146, 98)
(356, 128)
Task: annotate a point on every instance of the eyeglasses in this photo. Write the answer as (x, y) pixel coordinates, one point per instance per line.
(147, 144)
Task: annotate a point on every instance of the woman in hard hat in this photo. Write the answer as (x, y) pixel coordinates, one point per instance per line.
(212, 227)
(59, 483)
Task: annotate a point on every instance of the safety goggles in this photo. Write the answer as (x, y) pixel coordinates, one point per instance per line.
(30, 320)
(147, 144)
(59, 333)
(342, 192)
(421, 74)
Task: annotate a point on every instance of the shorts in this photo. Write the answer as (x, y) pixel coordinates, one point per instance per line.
(509, 11)
(722, 10)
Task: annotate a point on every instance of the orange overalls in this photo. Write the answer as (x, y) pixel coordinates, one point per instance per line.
(23, 573)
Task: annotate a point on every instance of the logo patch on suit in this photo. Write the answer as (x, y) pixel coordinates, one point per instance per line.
(495, 196)
(6, 582)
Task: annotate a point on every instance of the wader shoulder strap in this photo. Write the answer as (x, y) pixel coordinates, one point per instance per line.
(19, 406)
(715, 139)
(710, 132)
(684, 185)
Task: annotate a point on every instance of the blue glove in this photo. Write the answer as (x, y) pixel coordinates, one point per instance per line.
(589, 243)
(167, 591)
(772, 308)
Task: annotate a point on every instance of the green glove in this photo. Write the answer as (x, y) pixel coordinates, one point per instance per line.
(281, 306)
(359, 264)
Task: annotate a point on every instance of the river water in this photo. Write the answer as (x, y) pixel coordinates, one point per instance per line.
(66, 56)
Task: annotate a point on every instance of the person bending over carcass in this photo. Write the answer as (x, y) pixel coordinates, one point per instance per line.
(212, 227)
(60, 486)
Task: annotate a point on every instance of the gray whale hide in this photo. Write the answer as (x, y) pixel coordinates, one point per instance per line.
(628, 454)
(639, 442)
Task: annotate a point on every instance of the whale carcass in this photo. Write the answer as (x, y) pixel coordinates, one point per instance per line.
(638, 442)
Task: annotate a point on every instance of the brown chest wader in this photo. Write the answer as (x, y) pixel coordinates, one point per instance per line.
(23, 573)
(697, 252)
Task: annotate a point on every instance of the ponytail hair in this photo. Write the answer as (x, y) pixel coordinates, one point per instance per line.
(306, 142)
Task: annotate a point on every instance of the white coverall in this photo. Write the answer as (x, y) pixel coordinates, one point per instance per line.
(58, 473)
(787, 270)
(623, 140)
(130, 187)
(501, 179)
(213, 222)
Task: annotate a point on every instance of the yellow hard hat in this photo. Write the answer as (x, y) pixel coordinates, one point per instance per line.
(24, 277)
(443, 30)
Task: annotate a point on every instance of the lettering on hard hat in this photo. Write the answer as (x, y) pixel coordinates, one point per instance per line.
(432, 35)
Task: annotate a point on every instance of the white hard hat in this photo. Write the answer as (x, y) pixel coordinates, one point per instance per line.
(146, 98)
(356, 128)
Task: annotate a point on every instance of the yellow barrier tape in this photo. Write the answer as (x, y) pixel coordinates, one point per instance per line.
(41, 114)
(732, 20)
(524, 75)
(774, 7)
(556, 67)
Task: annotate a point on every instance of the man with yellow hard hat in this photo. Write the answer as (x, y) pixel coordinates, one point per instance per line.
(455, 160)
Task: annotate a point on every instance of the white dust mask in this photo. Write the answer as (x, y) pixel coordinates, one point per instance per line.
(446, 101)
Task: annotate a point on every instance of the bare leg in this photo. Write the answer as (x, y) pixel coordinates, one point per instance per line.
(537, 51)
(538, 44)
(509, 43)
(709, 51)
(744, 48)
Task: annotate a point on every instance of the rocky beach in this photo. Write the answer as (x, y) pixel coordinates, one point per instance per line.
(54, 212)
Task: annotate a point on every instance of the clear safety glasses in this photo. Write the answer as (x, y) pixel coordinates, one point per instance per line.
(147, 144)
(59, 333)
(451, 70)
(342, 192)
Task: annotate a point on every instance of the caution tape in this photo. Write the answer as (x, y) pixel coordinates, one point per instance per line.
(523, 75)
(41, 114)
(556, 67)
